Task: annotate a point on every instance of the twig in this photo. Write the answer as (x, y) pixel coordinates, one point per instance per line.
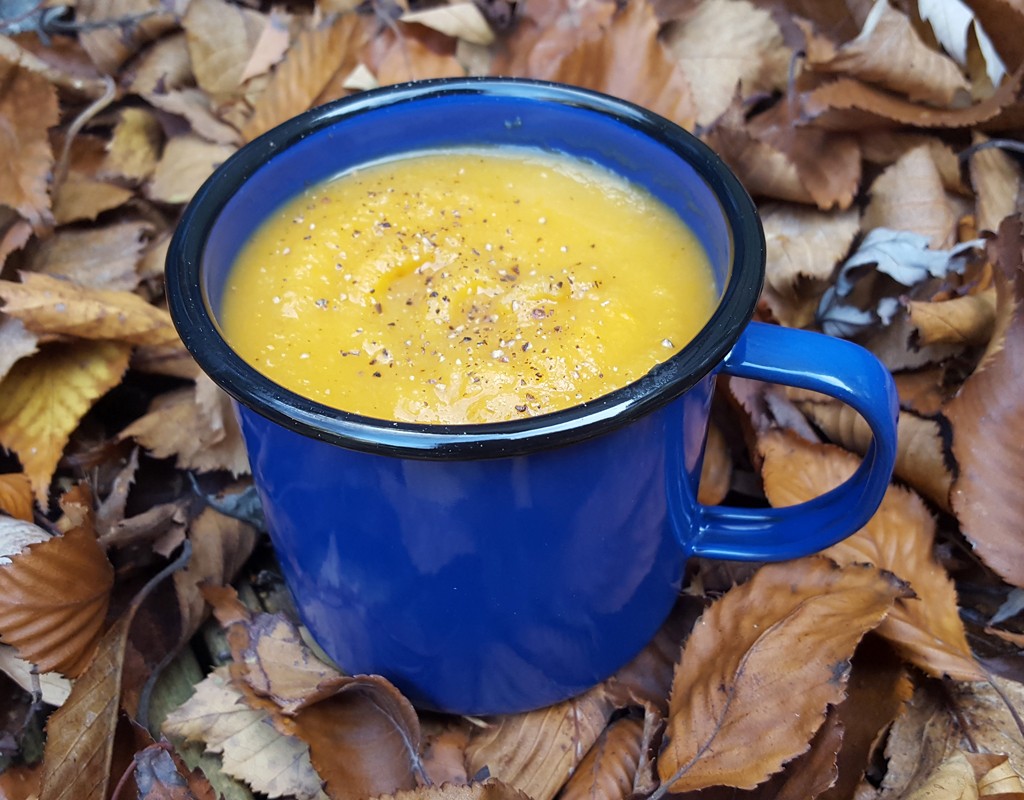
(1003, 144)
(60, 172)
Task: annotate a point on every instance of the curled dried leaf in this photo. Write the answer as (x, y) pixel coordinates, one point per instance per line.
(609, 768)
(16, 495)
(54, 598)
(997, 182)
(746, 697)
(925, 630)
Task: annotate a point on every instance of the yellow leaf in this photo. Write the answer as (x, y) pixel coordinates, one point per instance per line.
(761, 667)
(55, 306)
(187, 161)
(16, 495)
(134, 148)
(43, 398)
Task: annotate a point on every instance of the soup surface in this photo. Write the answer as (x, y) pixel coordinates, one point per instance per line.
(467, 286)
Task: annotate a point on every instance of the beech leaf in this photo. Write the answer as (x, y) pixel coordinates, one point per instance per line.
(134, 148)
(967, 320)
(186, 162)
(608, 769)
(253, 750)
(951, 21)
(42, 400)
(16, 342)
(460, 20)
(537, 751)
(489, 789)
(221, 39)
(28, 109)
(987, 417)
(100, 257)
(16, 496)
(926, 630)
(47, 304)
(997, 181)
(762, 665)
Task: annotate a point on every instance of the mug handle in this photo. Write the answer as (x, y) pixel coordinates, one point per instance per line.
(834, 367)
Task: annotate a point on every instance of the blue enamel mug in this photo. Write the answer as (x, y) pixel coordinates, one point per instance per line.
(501, 567)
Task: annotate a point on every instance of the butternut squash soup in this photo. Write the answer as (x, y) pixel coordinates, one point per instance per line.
(467, 286)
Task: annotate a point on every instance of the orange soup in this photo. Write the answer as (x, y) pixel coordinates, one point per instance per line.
(467, 286)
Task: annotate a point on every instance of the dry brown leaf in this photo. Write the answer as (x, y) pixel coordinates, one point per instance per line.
(996, 179)
(252, 749)
(364, 740)
(727, 47)
(53, 601)
(926, 630)
(16, 495)
(28, 109)
(920, 449)
(716, 469)
(460, 20)
(42, 400)
(489, 789)
(271, 45)
(134, 148)
(804, 245)
(987, 418)
(629, 61)
(16, 342)
(444, 750)
(608, 769)
(410, 58)
(109, 46)
(890, 53)
(60, 61)
(989, 725)
(536, 752)
(968, 320)
(83, 198)
(111, 510)
(197, 426)
(997, 775)
(95, 257)
(221, 37)
(158, 777)
(50, 305)
(919, 740)
(909, 196)
(186, 162)
(761, 666)
(15, 233)
(848, 104)
(311, 62)
(953, 779)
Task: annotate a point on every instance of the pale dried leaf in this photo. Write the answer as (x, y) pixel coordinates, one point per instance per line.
(109, 46)
(999, 779)
(444, 750)
(95, 257)
(926, 630)
(187, 161)
(76, 77)
(489, 789)
(53, 600)
(196, 426)
(996, 179)
(253, 750)
(271, 45)
(953, 779)
(728, 47)
(134, 148)
(15, 233)
(221, 37)
(111, 511)
(56, 306)
(80, 198)
(53, 687)
(460, 20)
(745, 699)
(28, 109)
(17, 533)
(889, 52)
(16, 342)
(909, 196)
(536, 752)
(311, 62)
(951, 22)
(42, 400)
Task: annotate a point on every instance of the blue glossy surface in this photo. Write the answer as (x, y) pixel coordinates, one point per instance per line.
(498, 568)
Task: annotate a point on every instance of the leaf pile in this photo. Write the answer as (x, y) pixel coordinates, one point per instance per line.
(881, 141)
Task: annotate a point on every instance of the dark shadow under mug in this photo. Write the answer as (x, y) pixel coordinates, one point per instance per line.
(501, 567)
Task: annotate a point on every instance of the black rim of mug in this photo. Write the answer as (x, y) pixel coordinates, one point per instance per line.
(194, 320)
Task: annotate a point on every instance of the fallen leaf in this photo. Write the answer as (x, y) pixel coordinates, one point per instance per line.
(15, 233)
(134, 147)
(890, 53)
(109, 46)
(909, 196)
(921, 458)
(725, 47)
(409, 58)
(17, 534)
(804, 245)
(16, 495)
(996, 179)
(44, 398)
(99, 257)
(444, 751)
(52, 305)
(460, 20)
(50, 61)
(313, 59)
(196, 426)
(883, 148)
(270, 47)
(28, 109)
(221, 39)
(952, 21)
(926, 630)
(608, 769)
(186, 162)
(987, 416)
(81, 198)
(111, 510)
(745, 698)
(157, 776)
(53, 600)
(953, 779)
(629, 61)
(716, 469)
(968, 320)
(989, 723)
(54, 688)
(919, 740)
(538, 751)
(253, 750)
(16, 342)
(489, 789)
